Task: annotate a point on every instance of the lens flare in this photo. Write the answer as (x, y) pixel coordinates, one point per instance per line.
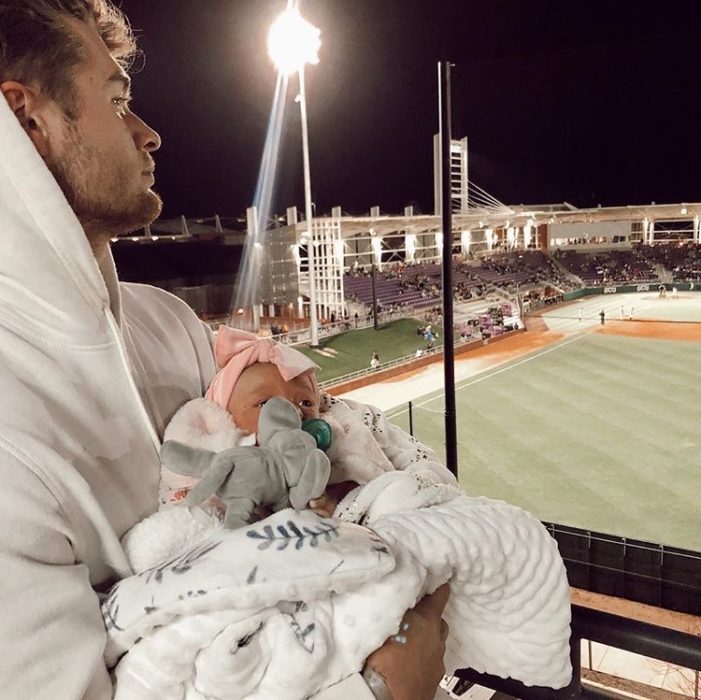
(293, 42)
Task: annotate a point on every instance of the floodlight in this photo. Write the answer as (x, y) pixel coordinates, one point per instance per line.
(293, 42)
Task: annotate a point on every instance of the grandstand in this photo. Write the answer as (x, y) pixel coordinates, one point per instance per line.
(546, 250)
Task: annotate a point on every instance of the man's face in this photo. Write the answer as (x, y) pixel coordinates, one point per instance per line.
(261, 382)
(102, 159)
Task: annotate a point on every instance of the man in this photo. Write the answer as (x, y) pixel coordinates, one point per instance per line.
(90, 370)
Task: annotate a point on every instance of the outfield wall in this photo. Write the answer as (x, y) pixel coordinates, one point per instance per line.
(628, 288)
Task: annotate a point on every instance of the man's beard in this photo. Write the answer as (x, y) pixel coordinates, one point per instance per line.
(100, 191)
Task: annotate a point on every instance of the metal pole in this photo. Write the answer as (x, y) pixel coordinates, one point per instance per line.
(308, 209)
(451, 433)
(411, 419)
(374, 298)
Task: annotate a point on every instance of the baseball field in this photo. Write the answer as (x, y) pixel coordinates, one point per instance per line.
(589, 425)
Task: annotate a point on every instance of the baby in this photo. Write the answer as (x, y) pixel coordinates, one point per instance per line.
(253, 370)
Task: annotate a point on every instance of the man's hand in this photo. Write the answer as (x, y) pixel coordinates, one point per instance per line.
(412, 661)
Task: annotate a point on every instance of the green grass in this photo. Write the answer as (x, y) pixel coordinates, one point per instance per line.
(601, 433)
(353, 350)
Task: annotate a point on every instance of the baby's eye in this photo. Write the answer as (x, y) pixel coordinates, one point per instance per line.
(262, 403)
(306, 403)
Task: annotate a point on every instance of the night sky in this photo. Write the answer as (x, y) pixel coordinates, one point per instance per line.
(590, 102)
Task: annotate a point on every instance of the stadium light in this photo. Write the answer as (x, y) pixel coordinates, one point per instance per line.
(292, 43)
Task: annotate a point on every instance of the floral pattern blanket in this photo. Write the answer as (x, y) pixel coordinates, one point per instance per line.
(295, 602)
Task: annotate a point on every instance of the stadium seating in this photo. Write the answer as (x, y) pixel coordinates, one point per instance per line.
(610, 267)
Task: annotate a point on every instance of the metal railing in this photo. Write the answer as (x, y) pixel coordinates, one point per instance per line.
(642, 638)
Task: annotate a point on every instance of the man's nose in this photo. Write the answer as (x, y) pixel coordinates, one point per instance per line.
(145, 138)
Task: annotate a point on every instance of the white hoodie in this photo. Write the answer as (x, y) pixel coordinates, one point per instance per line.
(91, 372)
(88, 379)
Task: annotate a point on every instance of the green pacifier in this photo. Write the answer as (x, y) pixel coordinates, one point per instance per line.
(320, 430)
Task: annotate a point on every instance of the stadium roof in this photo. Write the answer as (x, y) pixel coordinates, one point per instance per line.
(476, 219)
(519, 216)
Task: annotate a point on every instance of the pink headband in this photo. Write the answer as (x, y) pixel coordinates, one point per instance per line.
(235, 350)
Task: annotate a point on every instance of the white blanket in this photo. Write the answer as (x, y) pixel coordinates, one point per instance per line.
(295, 602)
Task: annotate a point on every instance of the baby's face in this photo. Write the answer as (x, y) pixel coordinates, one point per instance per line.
(261, 382)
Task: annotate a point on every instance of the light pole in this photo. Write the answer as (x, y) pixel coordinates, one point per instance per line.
(451, 431)
(292, 43)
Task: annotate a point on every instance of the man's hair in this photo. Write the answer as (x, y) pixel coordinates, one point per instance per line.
(37, 46)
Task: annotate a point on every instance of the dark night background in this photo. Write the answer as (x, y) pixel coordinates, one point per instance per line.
(585, 101)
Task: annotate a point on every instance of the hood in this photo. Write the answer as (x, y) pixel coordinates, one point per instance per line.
(58, 292)
(71, 408)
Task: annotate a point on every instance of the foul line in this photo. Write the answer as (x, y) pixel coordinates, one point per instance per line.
(488, 375)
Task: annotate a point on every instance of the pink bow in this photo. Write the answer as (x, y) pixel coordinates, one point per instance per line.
(235, 350)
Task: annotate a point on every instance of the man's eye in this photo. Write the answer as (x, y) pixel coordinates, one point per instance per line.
(122, 103)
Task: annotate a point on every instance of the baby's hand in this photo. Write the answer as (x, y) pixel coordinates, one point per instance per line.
(260, 512)
(326, 504)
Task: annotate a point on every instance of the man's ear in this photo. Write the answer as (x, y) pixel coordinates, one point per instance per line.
(26, 106)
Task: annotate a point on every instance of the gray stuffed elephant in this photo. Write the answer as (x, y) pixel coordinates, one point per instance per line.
(285, 469)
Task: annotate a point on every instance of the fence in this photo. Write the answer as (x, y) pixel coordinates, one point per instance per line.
(459, 343)
(652, 286)
(641, 638)
(350, 376)
(645, 572)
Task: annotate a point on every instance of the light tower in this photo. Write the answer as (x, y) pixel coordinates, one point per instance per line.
(292, 43)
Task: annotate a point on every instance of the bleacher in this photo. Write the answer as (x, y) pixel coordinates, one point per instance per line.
(418, 285)
(611, 267)
(522, 268)
(389, 292)
(682, 261)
